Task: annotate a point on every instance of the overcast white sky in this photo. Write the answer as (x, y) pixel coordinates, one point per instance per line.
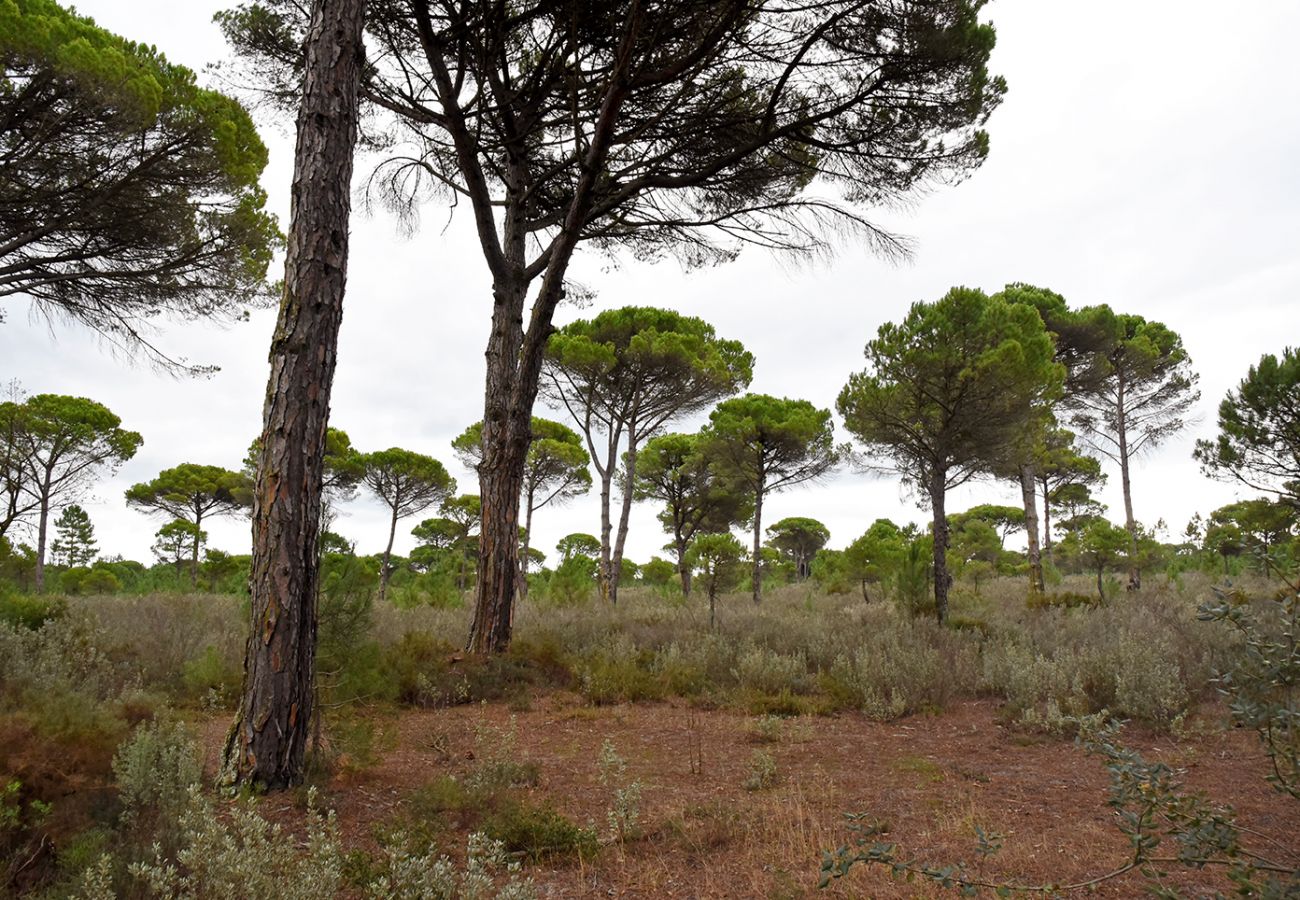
(1145, 157)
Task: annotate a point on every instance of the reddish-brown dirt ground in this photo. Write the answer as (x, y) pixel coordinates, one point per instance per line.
(932, 778)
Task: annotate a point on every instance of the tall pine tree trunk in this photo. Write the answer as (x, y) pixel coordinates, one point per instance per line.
(1047, 521)
(42, 534)
(525, 544)
(1130, 522)
(756, 576)
(942, 580)
(386, 566)
(267, 744)
(1027, 492)
(194, 548)
(605, 565)
(624, 515)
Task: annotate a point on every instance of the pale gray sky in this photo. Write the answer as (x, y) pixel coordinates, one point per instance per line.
(1144, 157)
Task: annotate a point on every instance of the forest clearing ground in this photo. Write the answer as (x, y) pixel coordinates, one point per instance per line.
(932, 778)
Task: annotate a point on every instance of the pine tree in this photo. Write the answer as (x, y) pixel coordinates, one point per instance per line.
(75, 543)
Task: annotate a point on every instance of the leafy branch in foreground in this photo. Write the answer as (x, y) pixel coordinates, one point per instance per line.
(1263, 689)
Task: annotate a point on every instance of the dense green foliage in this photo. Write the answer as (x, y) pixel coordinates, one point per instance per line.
(125, 188)
(765, 444)
(948, 395)
(1259, 429)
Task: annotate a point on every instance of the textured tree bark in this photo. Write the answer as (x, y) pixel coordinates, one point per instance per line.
(942, 580)
(507, 430)
(1028, 492)
(267, 744)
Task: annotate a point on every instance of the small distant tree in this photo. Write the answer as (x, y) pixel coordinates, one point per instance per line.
(193, 493)
(675, 470)
(767, 444)
(718, 562)
(1259, 430)
(408, 483)
(948, 393)
(66, 442)
(1259, 526)
(1101, 546)
(623, 376)
(575, 576)
(1145, 395)
(453, 531)
(976, 550)
(798, 539)
(578, 544)
(658, 572)
(874, 556)
(74, 544)
(1060, 467)
(174, 543)
(1002, 519)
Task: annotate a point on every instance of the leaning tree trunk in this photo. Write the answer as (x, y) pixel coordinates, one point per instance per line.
(942, 580)
(386, 565)
(1027, 492)
(267, 744)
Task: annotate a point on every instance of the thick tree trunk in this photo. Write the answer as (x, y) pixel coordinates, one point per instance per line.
(625, 514)
(500, 481)
(1130, 522)
(865, 597)
(1027, 493)
(756, 577)
(942, 580)
(267, 744)
(507, 431)
(385, 567)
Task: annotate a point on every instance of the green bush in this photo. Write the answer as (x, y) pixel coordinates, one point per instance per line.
(538, 831)
(28, 610)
